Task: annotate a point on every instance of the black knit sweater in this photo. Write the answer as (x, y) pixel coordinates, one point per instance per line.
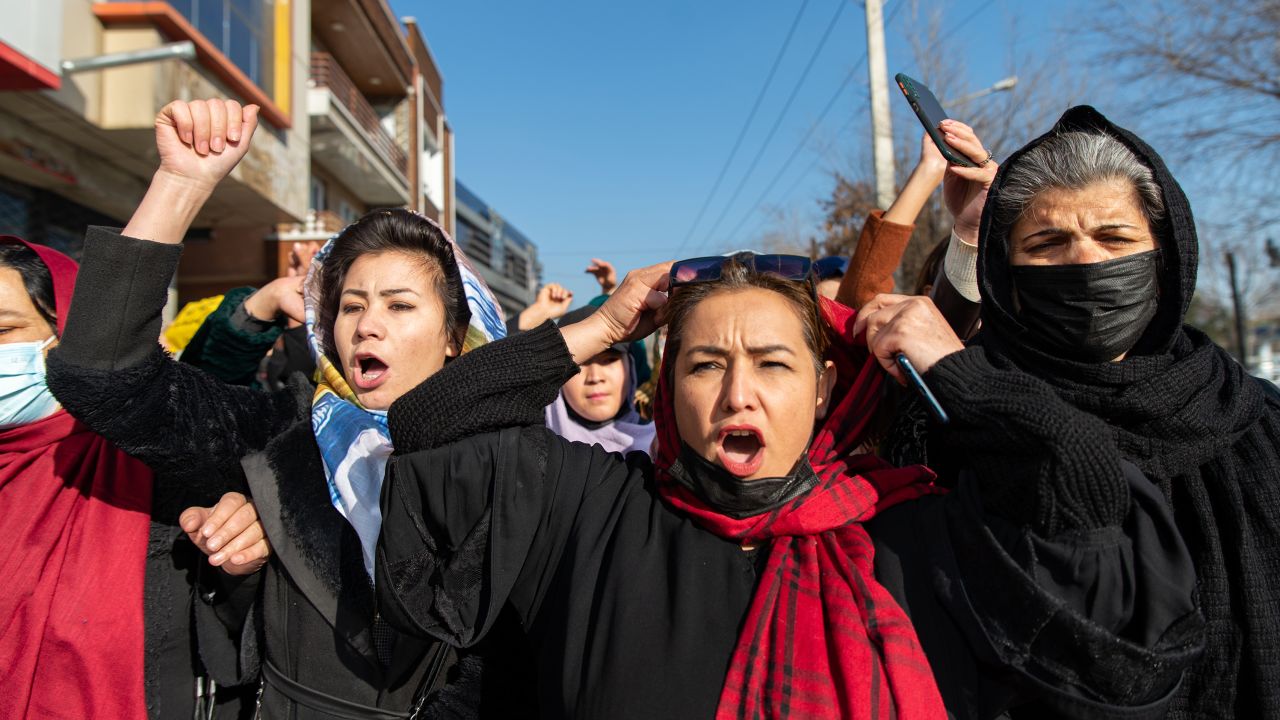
(1178, 407)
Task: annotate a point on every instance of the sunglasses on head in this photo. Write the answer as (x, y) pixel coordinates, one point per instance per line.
(796, 268)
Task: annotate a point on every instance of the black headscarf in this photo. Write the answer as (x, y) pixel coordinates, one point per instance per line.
(1183, 411)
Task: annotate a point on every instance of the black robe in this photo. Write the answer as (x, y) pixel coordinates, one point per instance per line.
(634, 610)
(313, 632)
(1178, 407)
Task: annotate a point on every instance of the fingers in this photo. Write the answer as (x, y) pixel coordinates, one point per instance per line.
(200, 126)
(259, 550)
(192, 518)
(226, 507)
(983, 174)
(235, 120)
(217, 125)
(248, 561)
(177, 114)
(876, 304)
(248, 125)
(246, 538)
(962, 138)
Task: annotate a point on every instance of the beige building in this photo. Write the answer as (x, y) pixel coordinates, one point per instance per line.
(352, 119)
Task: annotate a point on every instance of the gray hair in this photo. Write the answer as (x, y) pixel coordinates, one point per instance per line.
(1073, 160)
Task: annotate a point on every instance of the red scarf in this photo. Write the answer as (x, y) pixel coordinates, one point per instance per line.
(822, 638)
(74, 520)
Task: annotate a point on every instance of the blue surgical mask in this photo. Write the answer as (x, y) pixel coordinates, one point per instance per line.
(24, 396)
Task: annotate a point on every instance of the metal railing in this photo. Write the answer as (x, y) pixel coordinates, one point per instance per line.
(326, 73)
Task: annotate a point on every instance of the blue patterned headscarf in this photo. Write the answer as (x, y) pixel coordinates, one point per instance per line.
(354, 441)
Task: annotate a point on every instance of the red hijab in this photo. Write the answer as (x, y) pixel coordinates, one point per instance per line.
(74, 519)
(822, 637)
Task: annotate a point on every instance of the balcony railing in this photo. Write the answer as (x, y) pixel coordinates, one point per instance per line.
(326, 73)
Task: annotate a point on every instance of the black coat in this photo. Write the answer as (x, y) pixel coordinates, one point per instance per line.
(634, 610)
(313, 634)
(1178, 407)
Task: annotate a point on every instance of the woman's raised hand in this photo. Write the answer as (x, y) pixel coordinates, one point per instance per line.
(229, 533)
(202, 141)
(199, 144)
(282, 296)
(964, 189)
(633, 311)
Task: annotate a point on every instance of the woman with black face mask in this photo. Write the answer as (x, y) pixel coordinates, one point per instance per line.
(1087, 264)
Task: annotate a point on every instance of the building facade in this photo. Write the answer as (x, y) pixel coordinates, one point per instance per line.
(353, 118)
(505, 257)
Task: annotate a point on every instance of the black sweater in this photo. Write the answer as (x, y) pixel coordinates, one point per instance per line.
(634, 610)
(316, 610)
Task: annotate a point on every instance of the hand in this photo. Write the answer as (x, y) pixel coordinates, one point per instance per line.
(300, 258)
(605, 275)
(931, 161)
(965, 189)
(282, 296)
(199, 144)
(554, 300)
(229, 533)
(911, 325)
(551, 304)
(633, 311)
(201, 141)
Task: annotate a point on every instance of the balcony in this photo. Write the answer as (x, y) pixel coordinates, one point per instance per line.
(319, 225)
(348, 140)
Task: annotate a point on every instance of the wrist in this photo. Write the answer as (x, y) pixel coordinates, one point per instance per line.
(587, 338)
(966, 232)
(262, 306)
(181, 187)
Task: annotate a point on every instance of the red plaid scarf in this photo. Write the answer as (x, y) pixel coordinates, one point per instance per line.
(822, 638)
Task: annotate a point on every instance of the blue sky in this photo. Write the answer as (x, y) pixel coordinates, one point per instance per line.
(599, 128)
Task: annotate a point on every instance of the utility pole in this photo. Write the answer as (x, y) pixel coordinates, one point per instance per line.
(881, 125)
(1242, 344)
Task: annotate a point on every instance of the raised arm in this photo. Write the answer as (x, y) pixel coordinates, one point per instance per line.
(109, 370)
(479, 499)
(885, 236)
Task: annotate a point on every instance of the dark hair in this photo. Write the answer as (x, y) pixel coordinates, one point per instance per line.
(36, 278)
(736, 276)
(393, 230)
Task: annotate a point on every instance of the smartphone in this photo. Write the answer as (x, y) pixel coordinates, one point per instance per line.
(917, 382)
(931, 116)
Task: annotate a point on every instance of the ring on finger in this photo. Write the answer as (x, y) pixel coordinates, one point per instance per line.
(987, 161)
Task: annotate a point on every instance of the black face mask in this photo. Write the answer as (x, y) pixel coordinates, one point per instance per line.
(738, 498)
(1089, 313)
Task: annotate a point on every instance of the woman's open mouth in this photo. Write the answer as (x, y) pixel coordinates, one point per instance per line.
(741, 450)
(370, 371)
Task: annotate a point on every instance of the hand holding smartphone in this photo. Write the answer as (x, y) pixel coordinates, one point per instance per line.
(931, 115)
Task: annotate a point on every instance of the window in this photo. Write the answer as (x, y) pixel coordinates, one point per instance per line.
(244, 30)
(318, 193)
(346, 212)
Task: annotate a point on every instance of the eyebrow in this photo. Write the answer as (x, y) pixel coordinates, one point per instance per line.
(11, 313)
(383, 293)
(1062, 231)
(758, 350)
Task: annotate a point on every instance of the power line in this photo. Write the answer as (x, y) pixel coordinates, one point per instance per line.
(804, 74)
(796, 153)
(786, 165)
(967, 18)
(750, 117)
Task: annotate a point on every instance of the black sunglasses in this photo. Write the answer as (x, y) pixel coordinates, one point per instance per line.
(796, 268)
